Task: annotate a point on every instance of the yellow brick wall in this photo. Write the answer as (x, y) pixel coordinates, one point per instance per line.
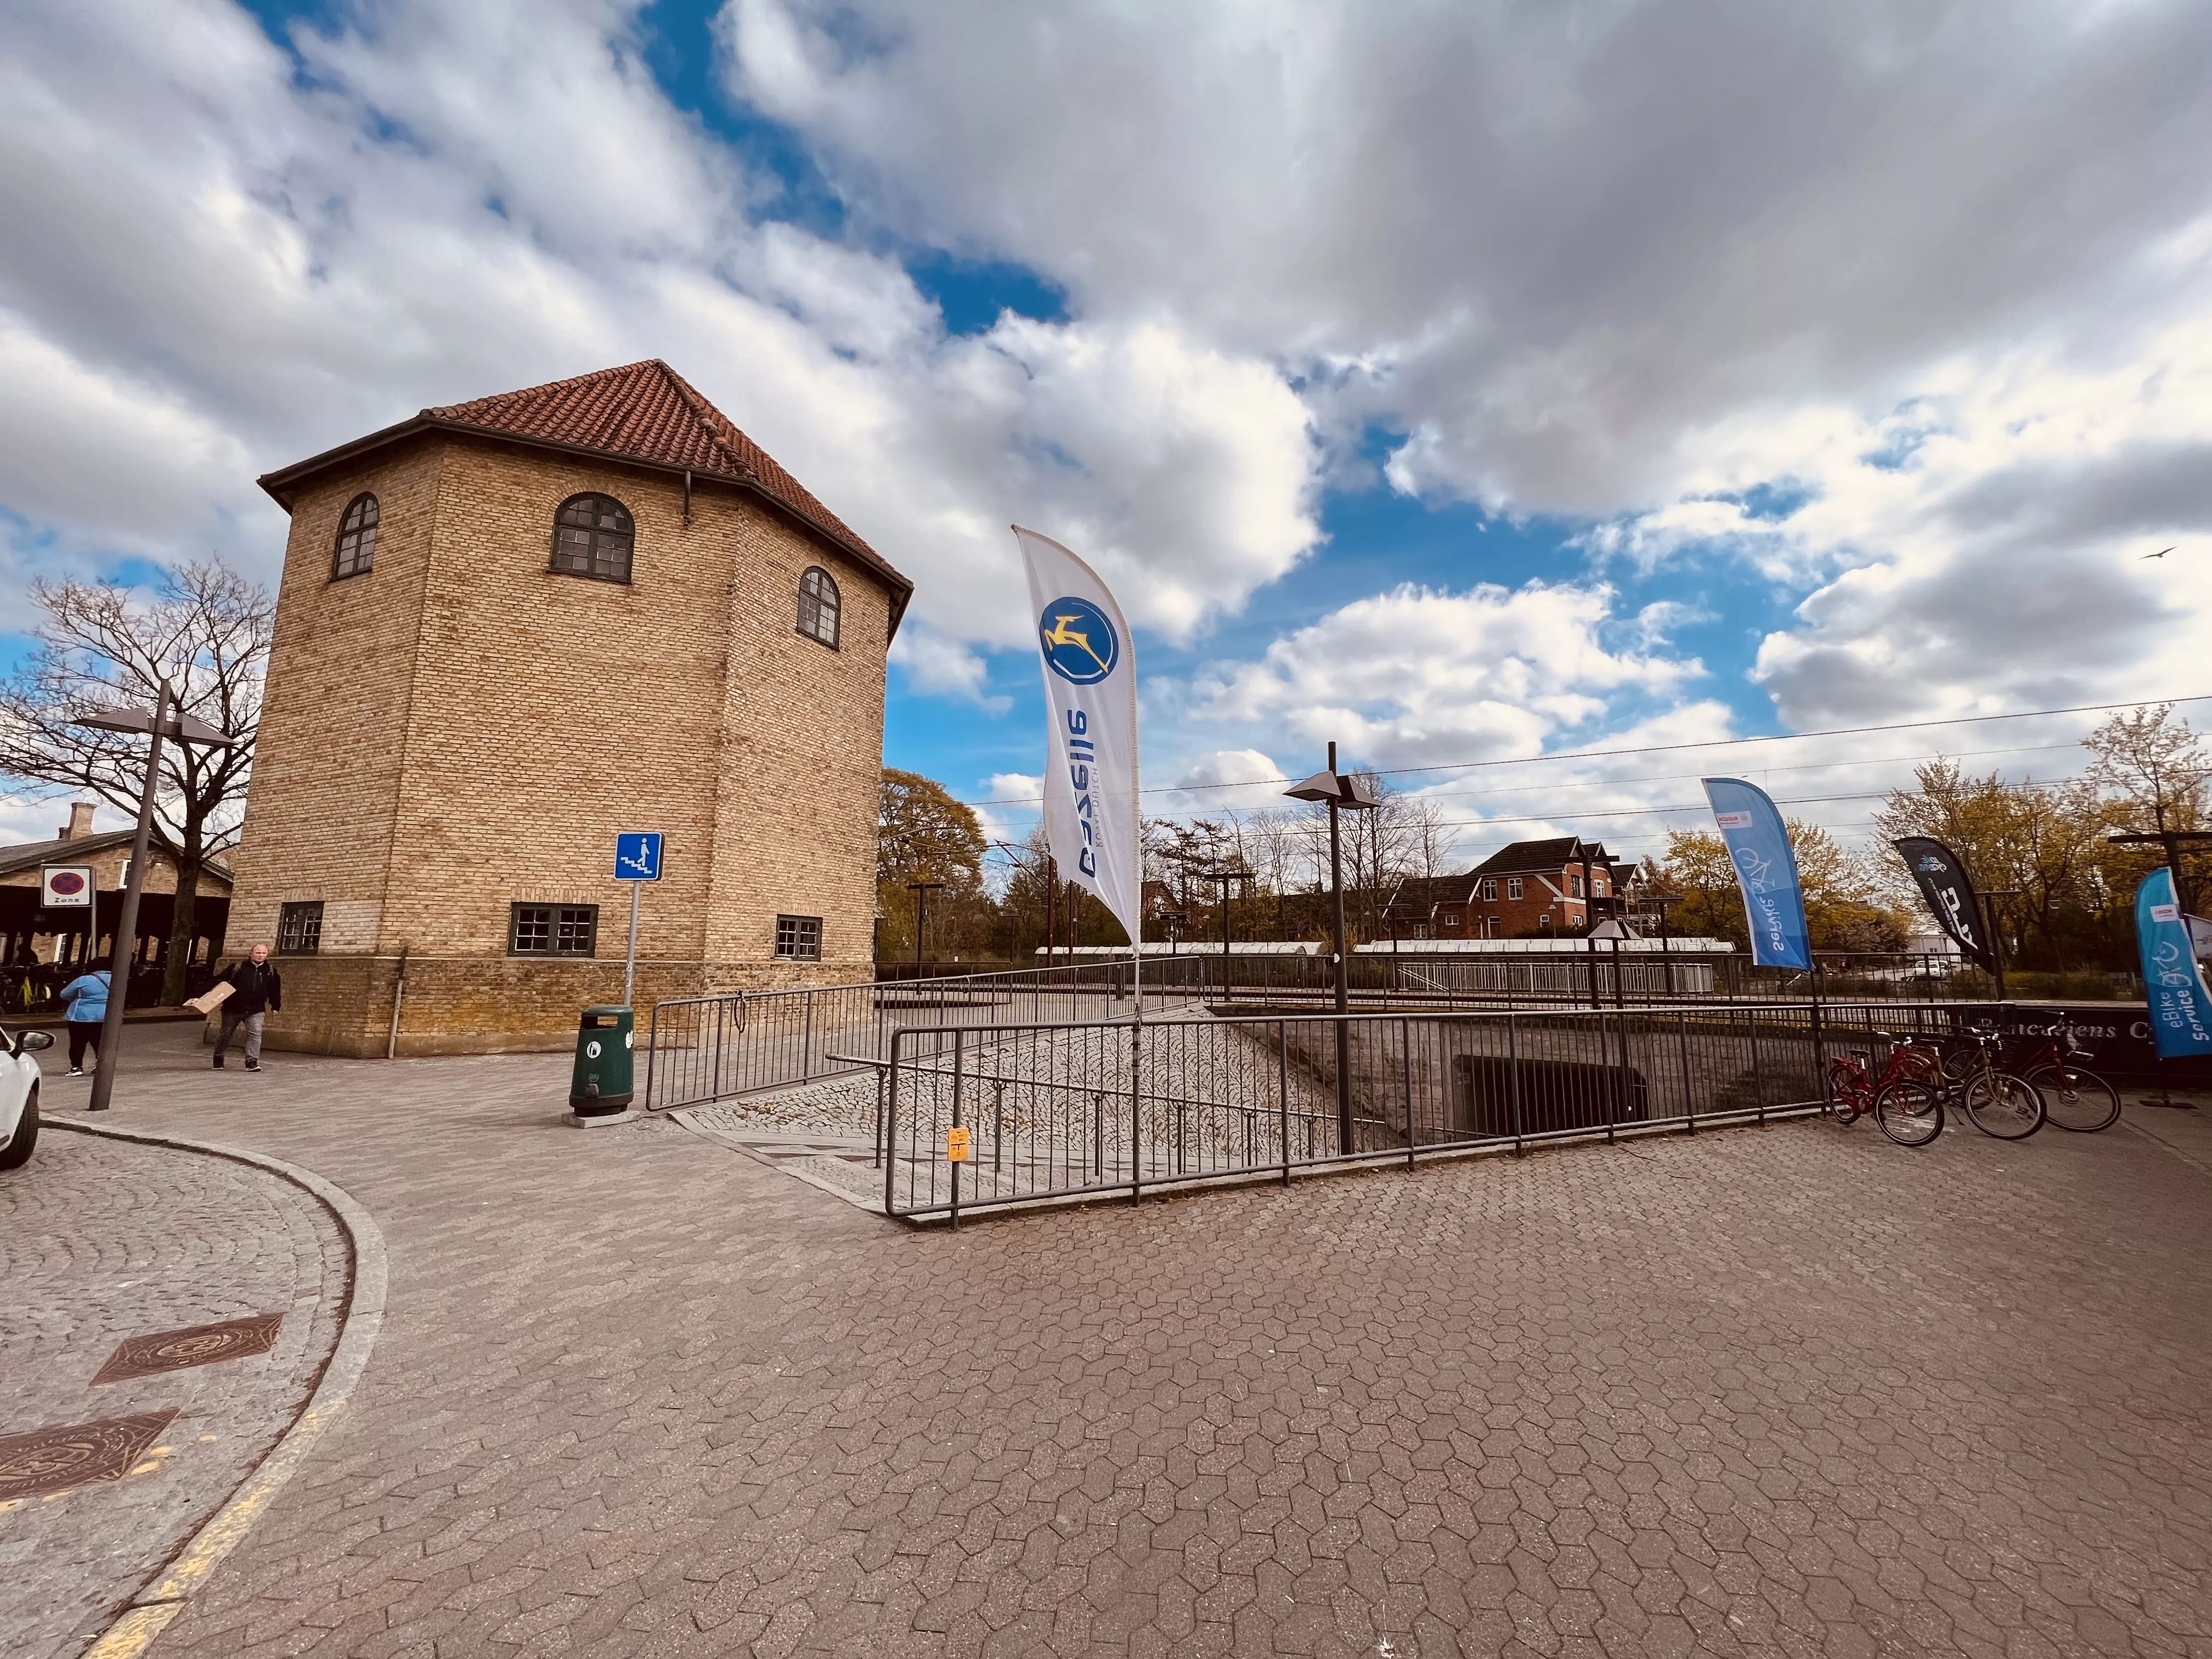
(802, 762)
(328, 760)
(463, 728)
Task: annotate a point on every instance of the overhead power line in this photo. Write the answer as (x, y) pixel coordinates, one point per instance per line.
(1657, 748)
(1604, 812)
(1795, 766)
(1679, 777)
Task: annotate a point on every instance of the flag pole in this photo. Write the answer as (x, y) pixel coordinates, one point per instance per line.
(1136, 952)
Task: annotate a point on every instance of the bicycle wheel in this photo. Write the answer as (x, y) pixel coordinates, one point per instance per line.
(2003, 1106)
(2077, 1099)
(1843, 1099)
(1908, 1113)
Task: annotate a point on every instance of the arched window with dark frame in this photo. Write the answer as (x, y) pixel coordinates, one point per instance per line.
(356, 551)
(817, 606)
(594, 536)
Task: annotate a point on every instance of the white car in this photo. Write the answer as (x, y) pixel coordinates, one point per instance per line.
(19, 1095)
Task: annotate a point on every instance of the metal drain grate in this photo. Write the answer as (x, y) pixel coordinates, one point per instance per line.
(202, 1344)
(48, 1461)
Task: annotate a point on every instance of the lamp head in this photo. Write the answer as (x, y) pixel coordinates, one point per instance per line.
(1350, 794)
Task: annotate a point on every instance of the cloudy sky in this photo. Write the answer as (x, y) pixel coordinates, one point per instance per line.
(1464, 382)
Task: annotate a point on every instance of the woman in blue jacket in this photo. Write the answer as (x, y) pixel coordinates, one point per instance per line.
(86, 996)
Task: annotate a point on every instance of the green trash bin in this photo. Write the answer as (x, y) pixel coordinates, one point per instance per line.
(600, 1084)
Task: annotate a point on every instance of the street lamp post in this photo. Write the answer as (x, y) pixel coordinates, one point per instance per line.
(1666, 902)
(1014, 854)
(921, 890)
(1224, 877)
(2172, 840)
(1990, 897)
(1342, 794)
(167, 721)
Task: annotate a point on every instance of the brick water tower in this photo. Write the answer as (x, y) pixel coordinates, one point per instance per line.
(508, 629)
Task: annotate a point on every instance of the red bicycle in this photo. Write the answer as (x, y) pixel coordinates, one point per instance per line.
(2077, 1097)
(1904, 1100)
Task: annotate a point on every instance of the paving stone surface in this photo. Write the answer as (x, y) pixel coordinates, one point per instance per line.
(1781, 1391)
(101, 1240)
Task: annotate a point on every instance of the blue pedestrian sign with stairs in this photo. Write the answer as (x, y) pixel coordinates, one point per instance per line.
(637, 857)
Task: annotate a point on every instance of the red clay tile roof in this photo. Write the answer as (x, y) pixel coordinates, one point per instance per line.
(645, 412)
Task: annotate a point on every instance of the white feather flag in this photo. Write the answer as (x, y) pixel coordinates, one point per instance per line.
(1090, 666)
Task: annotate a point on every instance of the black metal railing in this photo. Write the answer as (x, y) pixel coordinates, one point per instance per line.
(1088, 1109)
(706, 1048)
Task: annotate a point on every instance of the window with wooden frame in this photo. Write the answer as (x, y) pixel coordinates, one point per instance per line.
(799, 938)
(1515, 887)
(553, 930)
(1490, 890)
(355, 552)
(594, 537)
(300, 928)
(817, 606)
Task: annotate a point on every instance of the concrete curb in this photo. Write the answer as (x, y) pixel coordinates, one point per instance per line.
(163, 1596)
(2164, 1145)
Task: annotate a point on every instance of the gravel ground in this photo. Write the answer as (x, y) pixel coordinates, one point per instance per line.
(841, 1106)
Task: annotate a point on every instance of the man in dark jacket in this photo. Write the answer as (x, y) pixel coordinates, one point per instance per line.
(256, 988)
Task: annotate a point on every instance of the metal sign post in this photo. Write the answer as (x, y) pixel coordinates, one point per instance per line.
(637, 860)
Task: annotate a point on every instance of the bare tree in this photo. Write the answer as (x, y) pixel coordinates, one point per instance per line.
(1278, 857)
(1403, 837)
(101, 647)
(2150, 759)
(1429, 842)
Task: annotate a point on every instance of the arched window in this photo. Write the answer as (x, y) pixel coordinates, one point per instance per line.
(817, 606)
(592, 536)
(356, 547)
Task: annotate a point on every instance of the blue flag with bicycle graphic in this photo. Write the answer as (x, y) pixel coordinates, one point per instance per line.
(2181, 1003)
(1765, 872)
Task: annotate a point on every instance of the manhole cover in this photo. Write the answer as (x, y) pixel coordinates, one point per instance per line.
(202, 1344)
(54, 1460)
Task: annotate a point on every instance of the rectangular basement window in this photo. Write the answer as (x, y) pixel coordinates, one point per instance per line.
(799, 938)
(300, 928)
(553, 930)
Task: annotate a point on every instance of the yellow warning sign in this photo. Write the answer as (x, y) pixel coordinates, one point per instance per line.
(955, 1145)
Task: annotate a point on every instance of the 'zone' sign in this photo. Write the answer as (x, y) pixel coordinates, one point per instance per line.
(65, 886)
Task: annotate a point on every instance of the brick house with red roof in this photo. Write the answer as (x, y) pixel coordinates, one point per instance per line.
(1557, 885)
(509, 629)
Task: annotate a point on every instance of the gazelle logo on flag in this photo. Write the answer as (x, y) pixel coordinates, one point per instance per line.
(1090, 673)
(1079, 643)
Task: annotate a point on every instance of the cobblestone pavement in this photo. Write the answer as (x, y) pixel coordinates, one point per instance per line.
(1791, 1390)
(100, 1240)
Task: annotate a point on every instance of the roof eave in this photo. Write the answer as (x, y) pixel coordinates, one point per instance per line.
(283, 485)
